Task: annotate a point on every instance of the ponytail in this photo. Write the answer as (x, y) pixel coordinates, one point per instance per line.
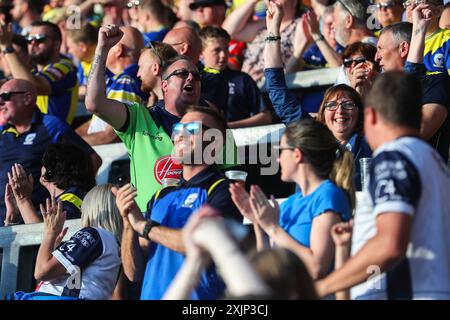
(342, 173)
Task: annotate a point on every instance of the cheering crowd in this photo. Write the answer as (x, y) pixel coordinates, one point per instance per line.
(369, 156)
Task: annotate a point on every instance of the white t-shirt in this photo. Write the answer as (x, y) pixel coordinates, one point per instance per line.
(408, 176)
(93, 251)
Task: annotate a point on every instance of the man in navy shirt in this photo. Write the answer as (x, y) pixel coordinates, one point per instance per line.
(26, 136)
(158, 254)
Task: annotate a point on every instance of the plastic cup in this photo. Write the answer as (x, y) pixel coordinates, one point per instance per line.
(167, 182)
(364, 169)
(237, 176)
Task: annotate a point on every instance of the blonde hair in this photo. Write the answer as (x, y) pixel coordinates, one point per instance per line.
(327, 158)
(99, 210)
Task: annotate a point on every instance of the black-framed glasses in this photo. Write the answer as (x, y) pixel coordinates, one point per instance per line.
(132, 4)
(346, 105)
(6, 96)
(184, 74)
(39, 38)
(385, 5)
(192, 128)
(345, 6)
(280, 148)
(349, 62)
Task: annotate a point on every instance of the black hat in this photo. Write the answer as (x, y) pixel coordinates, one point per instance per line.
(206, 3)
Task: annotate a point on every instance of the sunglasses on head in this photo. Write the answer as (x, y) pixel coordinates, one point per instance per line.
(192, 128)
(349, 62)
(132, 4)
(6, 96)
(184, 74)
(39, 38)
(408, 3)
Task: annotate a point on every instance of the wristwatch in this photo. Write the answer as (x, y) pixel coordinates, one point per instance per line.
(148, 226)
(8, 49)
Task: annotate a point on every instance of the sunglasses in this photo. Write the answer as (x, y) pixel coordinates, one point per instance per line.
(132, 4)
(151, 46)
(39, 38)
(408, 3)
(6, 96)
(346, 105)
(184, 74)
(349, 62)
(385, 5)
(192, 128)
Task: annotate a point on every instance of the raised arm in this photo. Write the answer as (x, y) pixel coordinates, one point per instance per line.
(239, 25)
(109, 110)
(18, 69)
(284, 102)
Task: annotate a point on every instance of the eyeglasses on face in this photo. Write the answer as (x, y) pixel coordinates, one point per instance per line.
(349, 62)
(6, 96)
(184, 74)
(346, 105)
(39, 38)
(132, 4)
(281, 148)
(192, 128)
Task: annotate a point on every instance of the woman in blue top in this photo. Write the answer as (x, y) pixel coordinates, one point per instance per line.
(311, 157)
(341, 109)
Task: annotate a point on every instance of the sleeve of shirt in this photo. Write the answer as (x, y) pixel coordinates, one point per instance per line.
(417, 68)
(220, 198)
(61, 76)
(334, 200)
(284, 102)
(127, 132)
(435, 89)
(124, 90)
(394, 183)
(80, 251)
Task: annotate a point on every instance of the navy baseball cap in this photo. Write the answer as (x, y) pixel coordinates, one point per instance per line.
(206, 3)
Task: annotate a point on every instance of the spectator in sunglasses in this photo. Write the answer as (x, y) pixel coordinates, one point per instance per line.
(341, 109)
(54, 75)
(158, 254)
(146, 133)
(360, 66)
(27, 135)
(389, 11)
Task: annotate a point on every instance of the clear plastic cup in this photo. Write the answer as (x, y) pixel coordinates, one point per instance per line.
(237, 176)
(168, 182)
(364, 169)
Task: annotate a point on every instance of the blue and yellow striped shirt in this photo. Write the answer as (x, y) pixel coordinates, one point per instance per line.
(62, 102)
(437, 52)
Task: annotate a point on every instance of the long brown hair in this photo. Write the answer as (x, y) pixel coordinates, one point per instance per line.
(327, 158)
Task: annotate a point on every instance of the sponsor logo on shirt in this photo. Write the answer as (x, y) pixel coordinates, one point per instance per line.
(189, 202)
(165, 167)
(438, 60)
(29, 139)
(152, 136)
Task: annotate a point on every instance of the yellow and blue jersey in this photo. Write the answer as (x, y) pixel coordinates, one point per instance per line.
(62, 102)
(126, 86)
(437, 52)
(83, 70)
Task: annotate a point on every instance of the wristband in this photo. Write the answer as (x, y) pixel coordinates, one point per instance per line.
(148, 226)
(319, 38)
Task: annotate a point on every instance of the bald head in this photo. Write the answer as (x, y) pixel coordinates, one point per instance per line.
(20, 85)
(132, 38)
(185, 41)
(127, 51)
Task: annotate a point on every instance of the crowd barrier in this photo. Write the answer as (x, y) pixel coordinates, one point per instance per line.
(18, 244)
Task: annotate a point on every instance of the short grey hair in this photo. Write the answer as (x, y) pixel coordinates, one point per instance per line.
(401, 32)
(99, 210)
(356, 8)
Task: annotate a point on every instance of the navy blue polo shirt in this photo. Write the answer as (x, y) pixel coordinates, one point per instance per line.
(28, 149)
(435, 90)
(244, 98)
(172, 207)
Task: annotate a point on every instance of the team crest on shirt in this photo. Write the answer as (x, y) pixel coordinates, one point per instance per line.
(189, 202)
(29, 139)
(438, 60)
(165, 167)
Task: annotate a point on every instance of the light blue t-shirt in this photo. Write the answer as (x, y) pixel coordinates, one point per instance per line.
(298, 212)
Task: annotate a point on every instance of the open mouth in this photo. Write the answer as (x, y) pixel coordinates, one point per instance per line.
(188, 88)
(341, 120)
